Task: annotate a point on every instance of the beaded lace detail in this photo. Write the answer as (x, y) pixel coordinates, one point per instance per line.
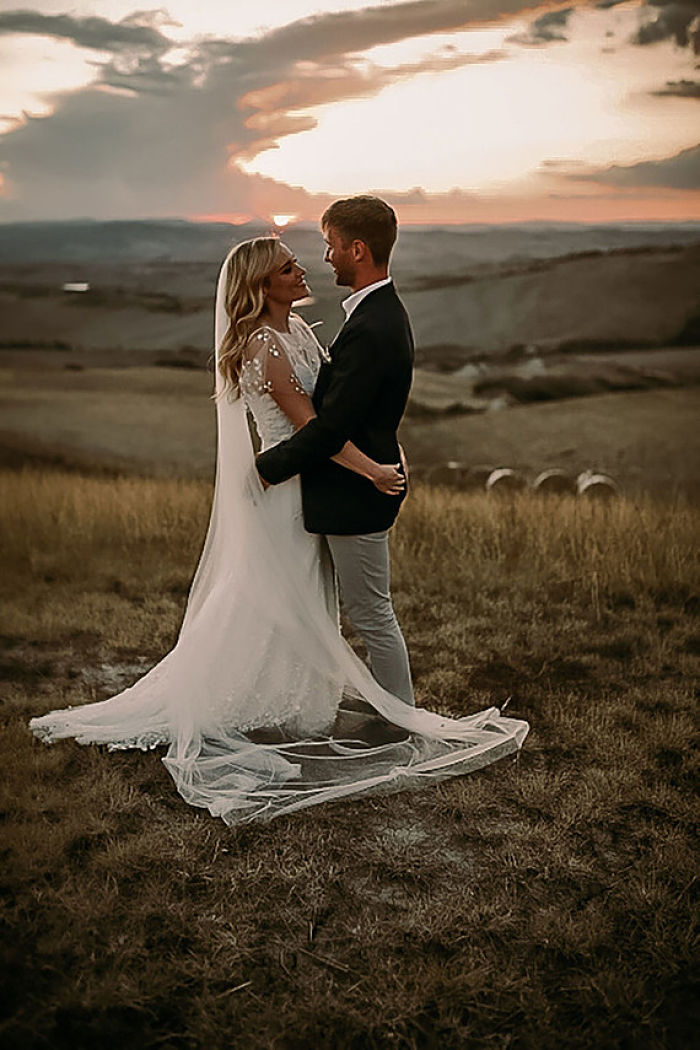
(293, 357)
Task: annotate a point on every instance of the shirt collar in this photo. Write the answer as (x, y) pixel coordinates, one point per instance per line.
(356, 298)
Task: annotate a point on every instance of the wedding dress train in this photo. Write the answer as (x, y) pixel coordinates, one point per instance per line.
(257, 701)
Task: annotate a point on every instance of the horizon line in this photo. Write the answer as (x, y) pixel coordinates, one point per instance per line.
(268, 224)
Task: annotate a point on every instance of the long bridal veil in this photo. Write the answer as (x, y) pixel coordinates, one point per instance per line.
(248, 606)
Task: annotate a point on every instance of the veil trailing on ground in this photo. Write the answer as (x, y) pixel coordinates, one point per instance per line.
(254, 628)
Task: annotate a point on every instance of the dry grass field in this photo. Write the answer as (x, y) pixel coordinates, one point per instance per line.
(541, 904)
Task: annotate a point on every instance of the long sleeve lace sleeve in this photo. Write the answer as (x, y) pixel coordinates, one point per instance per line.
(268, 370)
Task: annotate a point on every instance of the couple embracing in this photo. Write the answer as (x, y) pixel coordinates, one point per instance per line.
(262, 705)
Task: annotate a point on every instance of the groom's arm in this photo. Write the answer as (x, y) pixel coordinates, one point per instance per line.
(355, 376)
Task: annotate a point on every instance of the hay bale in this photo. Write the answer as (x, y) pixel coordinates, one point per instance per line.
(597, 486)
(555, 482)
(505, 480)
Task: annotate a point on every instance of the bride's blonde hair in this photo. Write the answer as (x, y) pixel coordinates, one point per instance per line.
(249, 264)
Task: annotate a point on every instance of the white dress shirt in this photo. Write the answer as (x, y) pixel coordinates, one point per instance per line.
(356, 298)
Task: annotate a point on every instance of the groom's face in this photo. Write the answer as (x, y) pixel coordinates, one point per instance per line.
(339, 255)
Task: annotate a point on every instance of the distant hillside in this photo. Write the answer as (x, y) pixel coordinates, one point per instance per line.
(592, 300)
(471, 290)
(140, 241)
(177, 240)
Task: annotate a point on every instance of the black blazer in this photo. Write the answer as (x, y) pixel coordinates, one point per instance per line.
(360, 396)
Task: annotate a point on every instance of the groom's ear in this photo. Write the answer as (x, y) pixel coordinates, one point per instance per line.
(360, 251)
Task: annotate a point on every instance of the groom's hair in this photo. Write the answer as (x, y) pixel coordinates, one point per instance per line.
(367, 219)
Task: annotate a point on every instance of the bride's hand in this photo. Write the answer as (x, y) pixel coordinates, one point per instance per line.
(388, 479)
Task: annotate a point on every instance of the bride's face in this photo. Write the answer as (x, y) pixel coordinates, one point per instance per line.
(285, 284)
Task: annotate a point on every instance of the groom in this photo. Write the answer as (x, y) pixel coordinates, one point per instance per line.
(360, 396)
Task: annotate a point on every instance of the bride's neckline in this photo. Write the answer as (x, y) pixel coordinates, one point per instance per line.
(279, 331)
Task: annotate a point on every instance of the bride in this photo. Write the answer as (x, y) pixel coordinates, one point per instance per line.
(262, 705)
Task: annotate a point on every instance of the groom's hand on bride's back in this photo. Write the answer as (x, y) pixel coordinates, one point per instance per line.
(388, 478)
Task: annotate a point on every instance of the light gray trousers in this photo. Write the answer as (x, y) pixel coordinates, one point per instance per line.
(362, 564)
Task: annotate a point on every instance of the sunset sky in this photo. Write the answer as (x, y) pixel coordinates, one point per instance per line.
(454, 110)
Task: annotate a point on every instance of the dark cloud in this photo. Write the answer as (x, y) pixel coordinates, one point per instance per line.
(137, 31)
(547, 29)
(677, 20)
(150, 138)
(344, 32)
(145, 74)
(680, 89)
(670, 20)
(680, 172)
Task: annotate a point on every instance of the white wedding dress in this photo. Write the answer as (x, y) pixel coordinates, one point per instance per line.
(260, 657)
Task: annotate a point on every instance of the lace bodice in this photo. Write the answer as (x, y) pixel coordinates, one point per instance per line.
(274, 357)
